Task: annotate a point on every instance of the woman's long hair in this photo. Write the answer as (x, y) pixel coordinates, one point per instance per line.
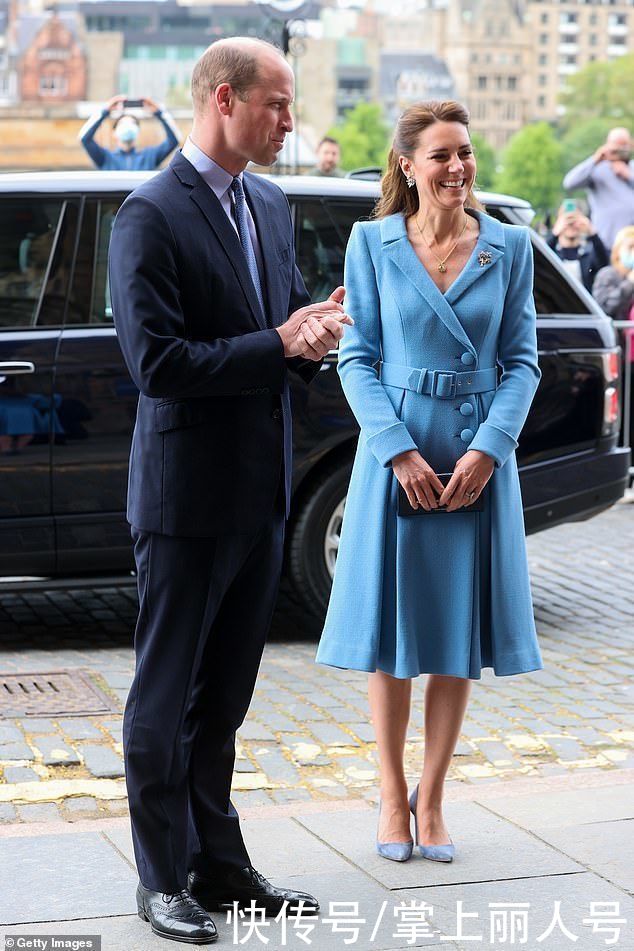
(625, 234)
(395, 195)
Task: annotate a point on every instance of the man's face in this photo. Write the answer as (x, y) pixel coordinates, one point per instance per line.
(328, 156)
(257, 127)
(619, 146)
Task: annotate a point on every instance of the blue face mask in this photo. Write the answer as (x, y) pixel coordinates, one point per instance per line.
(128, 134)
(627, 258)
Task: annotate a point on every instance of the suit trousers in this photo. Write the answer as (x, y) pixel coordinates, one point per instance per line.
(205, 606)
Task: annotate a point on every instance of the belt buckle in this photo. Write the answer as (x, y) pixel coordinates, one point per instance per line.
(441, 380)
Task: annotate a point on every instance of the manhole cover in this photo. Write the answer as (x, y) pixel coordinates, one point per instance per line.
(58, 693)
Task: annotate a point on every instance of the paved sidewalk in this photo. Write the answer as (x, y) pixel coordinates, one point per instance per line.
(558, 849)
(308, 736)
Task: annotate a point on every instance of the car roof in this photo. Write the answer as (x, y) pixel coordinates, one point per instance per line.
(86, 181)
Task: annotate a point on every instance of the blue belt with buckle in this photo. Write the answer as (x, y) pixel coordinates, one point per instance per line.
(443, 384)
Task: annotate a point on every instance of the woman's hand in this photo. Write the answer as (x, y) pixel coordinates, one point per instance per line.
(470, 475)
(419, 480)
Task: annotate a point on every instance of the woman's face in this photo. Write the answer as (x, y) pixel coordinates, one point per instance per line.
(443, 165)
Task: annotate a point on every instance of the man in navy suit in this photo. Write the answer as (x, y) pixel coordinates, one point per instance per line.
(211, 313)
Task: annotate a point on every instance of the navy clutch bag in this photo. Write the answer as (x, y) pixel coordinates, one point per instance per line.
(405, 509)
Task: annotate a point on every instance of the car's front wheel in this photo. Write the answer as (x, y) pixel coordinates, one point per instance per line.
(314, 538)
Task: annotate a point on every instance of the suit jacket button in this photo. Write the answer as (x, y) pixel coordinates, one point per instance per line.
(276, 414)
(466, 435)
(467, 358)
(466, 409)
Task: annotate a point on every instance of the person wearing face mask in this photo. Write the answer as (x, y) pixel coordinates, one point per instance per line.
(126, 132)
(575, 241)
(441, 293)
(608, 176)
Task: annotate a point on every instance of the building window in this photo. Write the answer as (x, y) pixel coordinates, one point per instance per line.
(541, 102)
(593, 39)
(593, 19)
(568, 38)
(566, 18)
(543, 38)
(482, 82)
(511, 82)
(543, 59)
(53, 85)
(543, 79)
(543, 18)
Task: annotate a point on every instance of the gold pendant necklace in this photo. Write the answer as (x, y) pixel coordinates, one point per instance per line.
(442, 264)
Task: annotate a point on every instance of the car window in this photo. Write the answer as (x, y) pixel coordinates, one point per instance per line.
(90, 298)
(552, 293)
(31, 258)
(323, 228)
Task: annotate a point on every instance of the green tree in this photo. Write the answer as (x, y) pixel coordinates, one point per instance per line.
(485, 158)
(363, 137)
(602, 90)
(531, 167)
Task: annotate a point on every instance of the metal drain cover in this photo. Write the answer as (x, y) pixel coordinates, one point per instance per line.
(59, 693)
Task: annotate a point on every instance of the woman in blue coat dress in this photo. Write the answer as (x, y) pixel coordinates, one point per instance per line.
(441, 295)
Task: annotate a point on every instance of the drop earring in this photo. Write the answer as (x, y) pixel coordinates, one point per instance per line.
(411, 181)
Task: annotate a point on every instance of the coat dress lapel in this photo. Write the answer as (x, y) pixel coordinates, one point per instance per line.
(229, 241)
(490, 244)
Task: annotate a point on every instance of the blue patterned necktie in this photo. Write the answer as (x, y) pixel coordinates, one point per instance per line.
(245, 238)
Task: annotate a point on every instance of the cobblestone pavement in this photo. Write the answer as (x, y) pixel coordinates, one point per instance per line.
(307, 736)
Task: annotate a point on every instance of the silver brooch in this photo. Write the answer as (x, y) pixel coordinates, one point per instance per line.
(484, 258)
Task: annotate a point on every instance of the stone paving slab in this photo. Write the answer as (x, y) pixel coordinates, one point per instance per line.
(607, 847)
(54, 878)
(558, 809)
(487, 848)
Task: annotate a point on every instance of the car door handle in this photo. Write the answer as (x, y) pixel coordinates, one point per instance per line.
(16, 368)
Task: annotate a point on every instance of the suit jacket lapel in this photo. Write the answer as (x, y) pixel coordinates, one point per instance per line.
(227, 236)
(262, 218)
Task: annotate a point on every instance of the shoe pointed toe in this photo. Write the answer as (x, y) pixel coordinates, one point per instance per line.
(395, 851)
(438, 853)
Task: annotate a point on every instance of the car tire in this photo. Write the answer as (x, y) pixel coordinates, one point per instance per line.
(314, 538)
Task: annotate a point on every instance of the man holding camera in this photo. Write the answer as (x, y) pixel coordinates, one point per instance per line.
(127, 157)
(608, 176)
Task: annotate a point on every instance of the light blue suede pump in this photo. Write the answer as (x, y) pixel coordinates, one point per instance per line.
(395, 851)
(437, 853)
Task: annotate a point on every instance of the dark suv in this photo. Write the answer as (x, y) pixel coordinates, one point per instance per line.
(67, 404)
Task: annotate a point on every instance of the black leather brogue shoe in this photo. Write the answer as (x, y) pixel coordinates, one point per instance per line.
(244, 886)
(178, 917)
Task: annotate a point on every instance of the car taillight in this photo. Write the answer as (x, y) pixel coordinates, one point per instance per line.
(610, 365)
(610, 410)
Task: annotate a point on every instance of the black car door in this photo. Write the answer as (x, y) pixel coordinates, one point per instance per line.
(37, 240)
(97, 405)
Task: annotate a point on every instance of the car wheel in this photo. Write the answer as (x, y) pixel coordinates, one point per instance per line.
(314, 539)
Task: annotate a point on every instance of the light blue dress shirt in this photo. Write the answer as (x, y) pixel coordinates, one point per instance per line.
(219, 180)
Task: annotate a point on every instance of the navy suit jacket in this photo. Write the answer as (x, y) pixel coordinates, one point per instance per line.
(213, 426)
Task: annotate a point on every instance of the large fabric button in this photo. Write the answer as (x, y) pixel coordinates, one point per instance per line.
(466, 435)
(466, 409)
(467, 358)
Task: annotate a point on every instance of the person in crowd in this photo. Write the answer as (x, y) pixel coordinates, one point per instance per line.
(126, 157)
(614, 292)
(440, 293)
(608, 176)
(328, 158)
(212, 314)
(576, 242)
(614, 284)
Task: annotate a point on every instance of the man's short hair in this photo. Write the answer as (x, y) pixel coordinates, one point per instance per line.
(125, 115)
(226, 62)
(329, 140)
